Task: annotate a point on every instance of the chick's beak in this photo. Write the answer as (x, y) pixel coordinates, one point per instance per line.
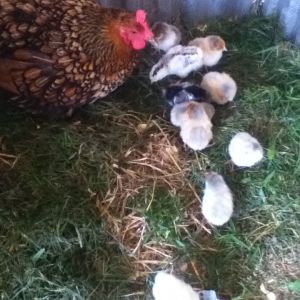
(207, 174)
(153, 42)
(150, 35)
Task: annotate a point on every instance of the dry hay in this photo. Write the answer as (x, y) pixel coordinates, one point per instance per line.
(154, 161)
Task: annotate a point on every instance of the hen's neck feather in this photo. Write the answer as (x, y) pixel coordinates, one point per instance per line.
(100, 37)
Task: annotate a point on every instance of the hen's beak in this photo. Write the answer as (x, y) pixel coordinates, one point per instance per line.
(225, 49)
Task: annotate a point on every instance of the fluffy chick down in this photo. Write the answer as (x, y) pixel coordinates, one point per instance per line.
(217, 201)
(179, 60)
(196, 138)
(220, 86)
(166, 36)
(245, 150)
(168, 287)
(212, 47)
(192, 114)
(194, 120)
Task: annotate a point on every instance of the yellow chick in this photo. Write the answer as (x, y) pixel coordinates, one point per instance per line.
(245, 150)
(220, 87)
(217, 201)
(166, 36)
(168, 287)
(212, 47)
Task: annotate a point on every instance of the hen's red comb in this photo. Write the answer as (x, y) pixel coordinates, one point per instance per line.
(140, 16)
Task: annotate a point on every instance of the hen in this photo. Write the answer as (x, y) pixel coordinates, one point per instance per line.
(58, 55)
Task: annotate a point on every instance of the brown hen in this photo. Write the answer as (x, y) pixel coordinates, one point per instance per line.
(56, 55)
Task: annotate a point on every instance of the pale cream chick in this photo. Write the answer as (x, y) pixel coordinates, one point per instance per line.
(177, 114)
(166, 36)
(217, 201)
(196, 138)
(245, 150)
(220, 87)
(192, 114)
(212, 47)
(168, 287)
(194, 119)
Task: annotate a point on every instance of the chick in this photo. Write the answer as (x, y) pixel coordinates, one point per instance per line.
(168, 287)
(194, 119)
(217, 201)
(220, 86)
(196, 138)
(212, 47)
(177, 114)
(192, 114)
(208, 295)
(245, 150)
(166, 36)
(179, 60)
(184, 92)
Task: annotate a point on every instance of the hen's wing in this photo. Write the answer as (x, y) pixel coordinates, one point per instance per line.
(26, 66)
(34, 76)
(23, 22)
(25, 71)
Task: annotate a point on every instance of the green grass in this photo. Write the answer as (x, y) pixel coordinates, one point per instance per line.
(55, 245)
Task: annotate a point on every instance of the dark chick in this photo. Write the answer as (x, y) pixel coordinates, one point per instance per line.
(183, 92)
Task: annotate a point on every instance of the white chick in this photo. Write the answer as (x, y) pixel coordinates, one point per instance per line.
(179, 60)
(191, 114)
(212, 47)
(220, 86)
(217, 201)
(166, 36)
(168, 287)
(245, 150)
